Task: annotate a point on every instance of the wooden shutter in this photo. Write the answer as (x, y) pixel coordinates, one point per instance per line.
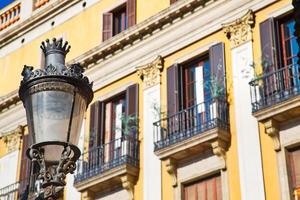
(131, 12)
(217, 65)
(96, 124)
(205, 189)
(294, 164)
(132, 106)
(107, 26)
(25, 166)
(173, 89)
(268, 45)
(269, 56)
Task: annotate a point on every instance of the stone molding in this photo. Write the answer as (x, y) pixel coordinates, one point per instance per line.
(272, 129)
(150, 73)
(240, 30)
(12, 139)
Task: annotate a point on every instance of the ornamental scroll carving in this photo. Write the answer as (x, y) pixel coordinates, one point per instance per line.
(12, 139)
(150, 73)
(240, 30)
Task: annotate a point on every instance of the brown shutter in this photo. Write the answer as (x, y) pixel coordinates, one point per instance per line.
(173, 89)
(131, 12)
(132, 105)
(268, 45)
(96, 124)
(172, 1)
(217, 65)
(269, 55)
(107, 26)
(25, 166)
(294, 165)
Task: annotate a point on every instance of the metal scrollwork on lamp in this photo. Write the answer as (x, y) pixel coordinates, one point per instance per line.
(55, 99)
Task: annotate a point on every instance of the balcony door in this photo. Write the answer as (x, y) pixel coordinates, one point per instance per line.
(197, 91)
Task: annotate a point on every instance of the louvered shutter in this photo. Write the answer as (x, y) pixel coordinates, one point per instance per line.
(96, 124)
(131, 12)
(107, 26)
(25, 167)
(268, 45)
(217, 67)
(294, 165)
(172, 89)
(132, 107)
(269, 55)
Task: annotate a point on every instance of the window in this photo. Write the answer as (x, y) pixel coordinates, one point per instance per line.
(289, 44)
(113, 118)
(206, 189)
(294, 168)
(196, 78)
(197, 81)
(119, 19)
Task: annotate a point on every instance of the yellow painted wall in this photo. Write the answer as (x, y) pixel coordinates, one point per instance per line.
(82, 31)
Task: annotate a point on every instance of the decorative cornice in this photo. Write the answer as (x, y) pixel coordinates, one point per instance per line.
(137, 33)
(272, 129)
(9, 100)
(240, 30)
(12, 139)
(150, 73)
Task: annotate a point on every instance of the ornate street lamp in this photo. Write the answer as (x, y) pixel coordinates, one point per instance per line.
(55, 99)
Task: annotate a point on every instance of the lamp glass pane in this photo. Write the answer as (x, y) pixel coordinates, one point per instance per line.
(51, 112)
(77, 118)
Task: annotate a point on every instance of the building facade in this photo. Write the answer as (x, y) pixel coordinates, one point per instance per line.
(193, 99)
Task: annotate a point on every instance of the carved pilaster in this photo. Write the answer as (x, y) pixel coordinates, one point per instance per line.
(240, 30)
(87, 195)
(150, 73)
(172, 170)
(219, 148)
(12, 139)
(272, 129)
(128, 183)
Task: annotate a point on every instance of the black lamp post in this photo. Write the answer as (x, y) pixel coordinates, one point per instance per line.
(55, 99)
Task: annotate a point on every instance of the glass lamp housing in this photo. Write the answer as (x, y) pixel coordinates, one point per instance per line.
(55, 100)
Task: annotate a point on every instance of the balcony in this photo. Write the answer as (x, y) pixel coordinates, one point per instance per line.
(24, 189)
(40, 3)
(275, 95)
(10, 16)
(104, 167)
(193, 130)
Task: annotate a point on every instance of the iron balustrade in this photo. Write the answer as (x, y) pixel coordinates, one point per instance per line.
(275, 87)
(191, 121)
(9, 192)
(124, 150)
(20, 190)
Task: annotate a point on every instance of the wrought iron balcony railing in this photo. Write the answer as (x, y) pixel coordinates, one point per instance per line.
(9, 192)
(124, 150)
(191, 121)
(21, 190)
(275, 87)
